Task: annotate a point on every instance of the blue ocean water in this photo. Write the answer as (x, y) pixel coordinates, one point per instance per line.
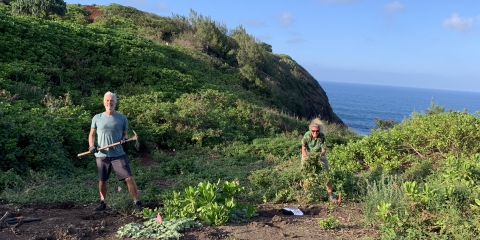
(359, 104)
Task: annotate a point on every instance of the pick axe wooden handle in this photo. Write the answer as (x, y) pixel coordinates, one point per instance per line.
(113, 144)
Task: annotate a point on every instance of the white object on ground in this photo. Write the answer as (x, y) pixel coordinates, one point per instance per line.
(295, 211)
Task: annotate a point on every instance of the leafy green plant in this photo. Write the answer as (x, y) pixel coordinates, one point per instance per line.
(277, 185)
(167, 229)
(315, 177)
(329, 223)
(211, 203)
(10, 179)
(384, 124)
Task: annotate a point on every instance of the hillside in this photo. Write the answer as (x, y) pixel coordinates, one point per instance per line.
(189, 85)
(62, 57)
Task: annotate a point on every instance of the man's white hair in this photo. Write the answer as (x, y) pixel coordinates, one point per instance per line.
(110, 94)
(317, 123)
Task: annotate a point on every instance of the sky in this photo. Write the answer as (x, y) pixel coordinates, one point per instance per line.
(409, 43)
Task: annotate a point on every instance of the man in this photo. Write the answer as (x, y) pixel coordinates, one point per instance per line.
(111, 127)
(314, 148)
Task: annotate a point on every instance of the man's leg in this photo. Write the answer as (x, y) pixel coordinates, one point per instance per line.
(329, 188)
(102, 189)
(104, 169)
(331, 196)
(122, 169)
(132, 188)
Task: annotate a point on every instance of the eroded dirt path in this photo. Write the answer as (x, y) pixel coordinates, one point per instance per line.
(73, 221)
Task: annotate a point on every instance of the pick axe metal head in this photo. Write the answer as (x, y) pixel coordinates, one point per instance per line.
(137, 144)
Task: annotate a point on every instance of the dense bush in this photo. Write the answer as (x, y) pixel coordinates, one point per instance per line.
(423, 136)
(435, 194)
(39, 7)
(37, 136)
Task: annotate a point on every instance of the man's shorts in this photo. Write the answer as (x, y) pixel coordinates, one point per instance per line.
(120, 165)
(323, 162)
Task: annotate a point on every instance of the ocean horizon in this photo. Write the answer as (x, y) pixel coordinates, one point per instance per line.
(359, 104)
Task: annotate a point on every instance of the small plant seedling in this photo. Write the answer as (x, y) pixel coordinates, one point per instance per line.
(329, 223)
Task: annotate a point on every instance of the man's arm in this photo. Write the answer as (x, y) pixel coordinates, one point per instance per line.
(91, 137)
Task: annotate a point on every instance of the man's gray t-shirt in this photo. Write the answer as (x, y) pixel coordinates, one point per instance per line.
(110, 130)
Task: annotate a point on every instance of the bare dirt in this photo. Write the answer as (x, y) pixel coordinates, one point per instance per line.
(74, 221)
(93, 12)
(77, 221)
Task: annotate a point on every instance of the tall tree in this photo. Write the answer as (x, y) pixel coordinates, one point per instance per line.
(38, 7)
(210, 33)
(249, 54)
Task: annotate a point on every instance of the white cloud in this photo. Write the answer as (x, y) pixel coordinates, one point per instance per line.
(253, 23)
(390, 9)
(296, 40)
(292, 33)
(458, 23)
(285, 19)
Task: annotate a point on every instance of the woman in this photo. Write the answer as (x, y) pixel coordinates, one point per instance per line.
(314, 161)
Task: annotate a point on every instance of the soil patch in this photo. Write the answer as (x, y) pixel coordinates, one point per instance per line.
(93, 12)
(70, 220)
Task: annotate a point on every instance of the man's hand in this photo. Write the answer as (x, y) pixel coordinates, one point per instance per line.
(123, 141)
(93, 149)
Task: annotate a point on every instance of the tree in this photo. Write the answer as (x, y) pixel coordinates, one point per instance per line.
(4, 2)
(265, 46)
(249, 54)
(38, 7)
(435, 108)
(210, 33)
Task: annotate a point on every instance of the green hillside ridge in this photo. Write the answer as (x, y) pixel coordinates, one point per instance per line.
(69, 57)
(56, 70)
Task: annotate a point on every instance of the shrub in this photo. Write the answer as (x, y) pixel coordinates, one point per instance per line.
(213, 204)
(10, 179)
(328, 223)
(39, 7)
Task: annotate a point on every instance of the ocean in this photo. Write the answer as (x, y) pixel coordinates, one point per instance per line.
(359, 104)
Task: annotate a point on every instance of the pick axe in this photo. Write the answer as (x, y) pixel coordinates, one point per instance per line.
(134, 138)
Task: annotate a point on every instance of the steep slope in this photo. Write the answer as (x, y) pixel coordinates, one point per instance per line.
(280, 81)
(174, 95)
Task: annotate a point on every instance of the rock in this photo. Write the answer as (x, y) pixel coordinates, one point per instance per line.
(276, 218)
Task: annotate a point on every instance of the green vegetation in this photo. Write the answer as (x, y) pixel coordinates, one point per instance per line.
(213, 204)
(329, 223)
(168, 229)
(39, 8)
(213, 106)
